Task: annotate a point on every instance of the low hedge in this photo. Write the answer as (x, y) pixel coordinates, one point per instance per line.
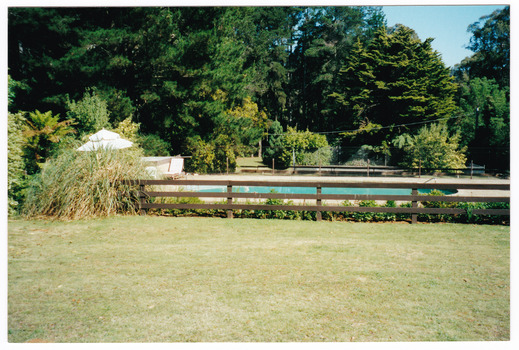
(349, 216)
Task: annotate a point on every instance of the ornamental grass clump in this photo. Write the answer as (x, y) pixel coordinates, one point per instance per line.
(75, 185)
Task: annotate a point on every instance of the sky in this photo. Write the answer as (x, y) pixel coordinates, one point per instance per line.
(446, 24)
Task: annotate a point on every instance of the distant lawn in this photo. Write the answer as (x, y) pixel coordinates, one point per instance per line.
(163, 279)
(249, 161)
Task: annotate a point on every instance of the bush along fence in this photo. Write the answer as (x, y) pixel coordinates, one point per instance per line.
(406, 200)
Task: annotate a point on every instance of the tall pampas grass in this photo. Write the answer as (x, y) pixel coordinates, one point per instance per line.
(75, 185)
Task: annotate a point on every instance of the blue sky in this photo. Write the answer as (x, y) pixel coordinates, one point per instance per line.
(446, 24)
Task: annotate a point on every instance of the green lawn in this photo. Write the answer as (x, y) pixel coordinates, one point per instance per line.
(164, 279)
(249, 161)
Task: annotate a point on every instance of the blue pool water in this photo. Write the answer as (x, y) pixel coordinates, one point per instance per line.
(311, 190)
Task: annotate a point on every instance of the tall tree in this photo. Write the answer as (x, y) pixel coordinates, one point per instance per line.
(325, 38)
(37, 37)
(396, 79)
(168, 68)
(484, 92)
(490, 43)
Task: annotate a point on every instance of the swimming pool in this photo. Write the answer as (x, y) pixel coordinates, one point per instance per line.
(310, 190)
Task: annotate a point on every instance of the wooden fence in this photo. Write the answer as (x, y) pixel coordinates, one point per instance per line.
(415, 198)
(368, 170)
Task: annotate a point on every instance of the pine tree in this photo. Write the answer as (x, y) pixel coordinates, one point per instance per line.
(396, 79)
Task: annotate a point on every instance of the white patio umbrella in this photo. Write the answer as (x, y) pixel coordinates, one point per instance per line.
(105, 139)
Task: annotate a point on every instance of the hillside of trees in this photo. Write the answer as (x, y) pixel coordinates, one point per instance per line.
(216, 83)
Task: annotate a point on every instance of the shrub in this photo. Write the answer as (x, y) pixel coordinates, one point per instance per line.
(44, 133)
(346, 214)
(469, 217)
(209, 157)
(278, 214)
(153, 145)
(74, 185)
(390, 216)
(365, 216)
(309, 148)
(404, 216)
(437, 204)
(91, 112)
(375, 216)
(15, 162)
(321, 156)
(434, 147)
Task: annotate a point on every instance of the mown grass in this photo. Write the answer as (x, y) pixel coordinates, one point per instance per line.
(159, 279)
(249, 162)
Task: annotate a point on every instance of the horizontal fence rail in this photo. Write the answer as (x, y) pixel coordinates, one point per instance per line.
(230, 205)
(368, 170)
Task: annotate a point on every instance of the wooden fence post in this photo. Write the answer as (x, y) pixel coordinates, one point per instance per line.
(273, 166)
(414, 217)
(368, 168)
(420, 169)
(318, 214)
(320, 165)
(471, 168)
(294, 160)
(229, 201)
(142, 199)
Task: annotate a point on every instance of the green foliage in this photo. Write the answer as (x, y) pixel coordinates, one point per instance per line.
(188, 72)
(484, 93)
(396, 79)
(90, 113)
(490, 43)
(277, 214)
(358, 216)
(389, 216)
(180, 212)
(118, 103)
(404, 216)
(435, 148)
(74, 185)
(13, 87)
(128, 129)
(246, 124)
(236, 132)
(321, 156)
(469, 217)
(43, 133)
(163, 65)
(365, 216)
(302, 142)
(211, 157)
(275, 143)
(485, 122)
(203, 156)
(436, 204)
(324, 39)
(153, 146)
(309, 148)
(280, 214)
(15, 162)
